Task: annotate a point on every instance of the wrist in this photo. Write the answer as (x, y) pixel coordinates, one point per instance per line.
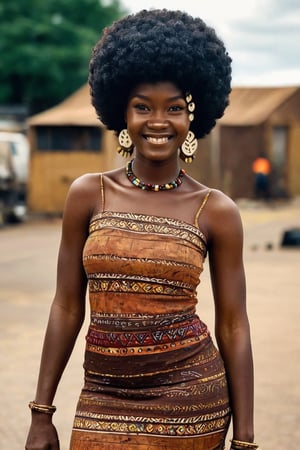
(237, 444)
(39, 418)
(41, 413)
(42, 408)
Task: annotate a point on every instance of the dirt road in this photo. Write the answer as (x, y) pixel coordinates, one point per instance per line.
(27, 281)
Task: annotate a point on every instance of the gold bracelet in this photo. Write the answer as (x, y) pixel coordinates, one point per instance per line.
(241, 445)
(46, 409)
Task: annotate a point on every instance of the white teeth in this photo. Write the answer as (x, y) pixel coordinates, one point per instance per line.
(160, 140)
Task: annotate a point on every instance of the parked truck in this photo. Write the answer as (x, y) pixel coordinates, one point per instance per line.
(14, 165)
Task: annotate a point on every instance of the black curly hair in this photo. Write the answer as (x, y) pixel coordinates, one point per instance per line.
(160, 45)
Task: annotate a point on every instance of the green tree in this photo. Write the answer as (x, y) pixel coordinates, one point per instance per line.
(45, 47)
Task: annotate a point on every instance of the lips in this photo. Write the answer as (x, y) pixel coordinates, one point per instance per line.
(157, 140)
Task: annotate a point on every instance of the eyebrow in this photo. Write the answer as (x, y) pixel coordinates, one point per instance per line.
(171, 99)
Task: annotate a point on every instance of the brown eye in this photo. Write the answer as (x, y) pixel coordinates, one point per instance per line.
(176, 108)
(141, 107)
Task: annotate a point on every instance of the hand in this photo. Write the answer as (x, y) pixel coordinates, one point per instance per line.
(42, 434)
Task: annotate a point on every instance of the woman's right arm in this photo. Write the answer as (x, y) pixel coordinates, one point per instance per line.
(66, 314)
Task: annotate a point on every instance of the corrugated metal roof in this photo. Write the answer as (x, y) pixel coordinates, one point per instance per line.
(253, 105)
(74, 110)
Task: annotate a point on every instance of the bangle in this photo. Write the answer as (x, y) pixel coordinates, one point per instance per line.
(46, 409)
(242, 445)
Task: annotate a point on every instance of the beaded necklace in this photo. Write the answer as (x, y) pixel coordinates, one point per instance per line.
(153, 187)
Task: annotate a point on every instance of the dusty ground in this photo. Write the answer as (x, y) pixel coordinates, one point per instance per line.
(27, 280)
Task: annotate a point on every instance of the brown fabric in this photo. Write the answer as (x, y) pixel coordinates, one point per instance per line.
(153, 378)
(92, 441)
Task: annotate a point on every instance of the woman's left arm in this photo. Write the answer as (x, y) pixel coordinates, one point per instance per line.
(231, 320)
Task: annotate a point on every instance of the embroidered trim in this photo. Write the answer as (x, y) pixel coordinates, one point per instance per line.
(148, 349)
(159, 429)
(132, 321)
(104, 282)
(142, 223)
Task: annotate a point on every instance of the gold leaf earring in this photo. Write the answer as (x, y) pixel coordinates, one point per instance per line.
(126, 145)
(188, 148)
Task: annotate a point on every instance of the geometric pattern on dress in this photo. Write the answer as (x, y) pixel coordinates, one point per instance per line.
(142, 223)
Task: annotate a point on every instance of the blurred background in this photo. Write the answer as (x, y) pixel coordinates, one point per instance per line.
(49, 132)
(50, 135)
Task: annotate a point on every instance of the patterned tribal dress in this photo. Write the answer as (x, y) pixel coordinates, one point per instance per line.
(153, 378)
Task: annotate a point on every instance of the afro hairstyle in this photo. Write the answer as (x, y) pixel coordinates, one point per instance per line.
(160, 45)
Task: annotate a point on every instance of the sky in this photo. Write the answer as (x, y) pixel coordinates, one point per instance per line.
(261, 36)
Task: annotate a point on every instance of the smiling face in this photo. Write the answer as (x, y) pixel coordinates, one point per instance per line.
(157, 119)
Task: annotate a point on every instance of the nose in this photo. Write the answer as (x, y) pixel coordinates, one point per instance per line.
(157, 120)
(157, 125)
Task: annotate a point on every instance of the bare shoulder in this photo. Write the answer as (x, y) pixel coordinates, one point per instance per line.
(89, 181)
(83, 195)
(86, 189)
(85, 185)
(220, 203)
(222, 216)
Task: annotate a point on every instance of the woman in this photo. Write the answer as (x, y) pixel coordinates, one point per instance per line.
(139, 236)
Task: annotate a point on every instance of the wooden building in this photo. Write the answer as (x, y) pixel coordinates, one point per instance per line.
(257, 119)
(69, 140)
(66, 141)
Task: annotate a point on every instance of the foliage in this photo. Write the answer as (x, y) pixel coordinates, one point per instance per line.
(45, 47)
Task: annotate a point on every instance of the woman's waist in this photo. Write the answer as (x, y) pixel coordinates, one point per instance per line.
(138, 334)
(147, 305)
(151, 320)
(147, 365)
